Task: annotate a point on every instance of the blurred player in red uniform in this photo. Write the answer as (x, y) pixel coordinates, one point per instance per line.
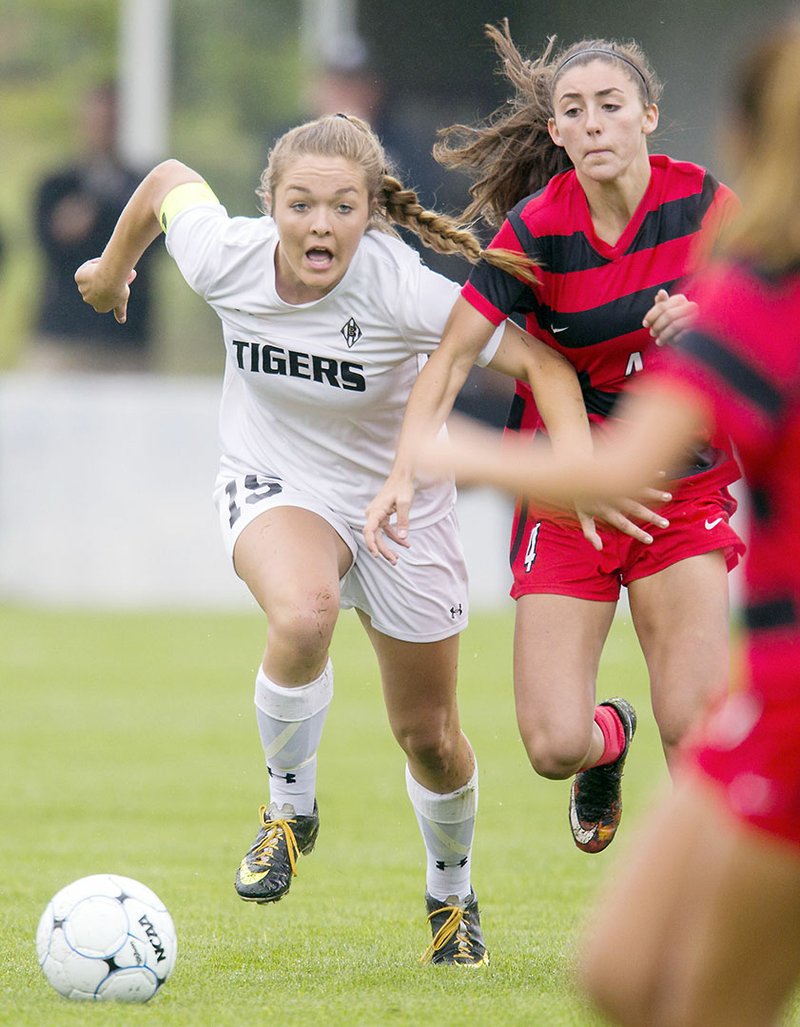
(611, 233)
(702, 925)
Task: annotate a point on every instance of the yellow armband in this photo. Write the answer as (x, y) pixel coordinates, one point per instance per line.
(187, 194)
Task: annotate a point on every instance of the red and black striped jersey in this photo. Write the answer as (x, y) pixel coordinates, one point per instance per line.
(592, 295)
(743, 357)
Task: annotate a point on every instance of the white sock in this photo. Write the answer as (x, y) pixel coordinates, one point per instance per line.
(447, 823)
(290, 722)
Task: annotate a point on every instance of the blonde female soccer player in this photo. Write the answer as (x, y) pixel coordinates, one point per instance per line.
(326, 318)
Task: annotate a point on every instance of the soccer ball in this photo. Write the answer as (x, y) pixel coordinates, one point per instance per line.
(106, 937)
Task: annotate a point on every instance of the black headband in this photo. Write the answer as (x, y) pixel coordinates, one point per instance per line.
(607, 53)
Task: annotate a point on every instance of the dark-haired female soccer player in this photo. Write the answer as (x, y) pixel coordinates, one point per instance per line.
(610, 233)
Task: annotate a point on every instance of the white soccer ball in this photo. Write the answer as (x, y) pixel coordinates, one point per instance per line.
(106, 937)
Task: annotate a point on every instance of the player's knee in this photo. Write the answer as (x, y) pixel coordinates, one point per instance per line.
(556, 754)
(673, 726)
(304, 627)
(678, 705)
(633, 991)
(617, 992)
(430, 744)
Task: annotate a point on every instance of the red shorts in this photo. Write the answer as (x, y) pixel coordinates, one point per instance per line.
(749, 746)
(551, 556)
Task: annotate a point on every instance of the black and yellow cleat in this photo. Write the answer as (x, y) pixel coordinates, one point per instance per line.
(266, 871)
(595, 799)
(457, 934)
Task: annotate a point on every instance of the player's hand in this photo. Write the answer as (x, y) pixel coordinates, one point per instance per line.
(621, 514)
(100, 292)
(395, 497)
(669, 316)
(589, 528)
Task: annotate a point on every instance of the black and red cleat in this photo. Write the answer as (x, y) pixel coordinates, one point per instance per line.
(595, 799)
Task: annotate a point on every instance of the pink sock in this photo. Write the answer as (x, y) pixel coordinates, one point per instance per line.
(609, 723)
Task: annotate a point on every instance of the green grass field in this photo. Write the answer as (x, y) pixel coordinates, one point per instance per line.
(129, 745)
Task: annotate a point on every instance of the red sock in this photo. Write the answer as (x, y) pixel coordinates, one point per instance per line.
(608, 721)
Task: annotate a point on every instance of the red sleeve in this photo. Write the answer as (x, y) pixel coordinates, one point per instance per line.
(722, 209)
(493, 292)
(482, 305)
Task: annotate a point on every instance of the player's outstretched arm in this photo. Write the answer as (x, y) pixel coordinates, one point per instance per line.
(429, 405)
(656, 430)
(559, 401)
(104, 282)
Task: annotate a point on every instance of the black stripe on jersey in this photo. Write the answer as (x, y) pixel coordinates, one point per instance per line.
(599, 324)
(743, 377)
(595, 400)
(519, 535)
(780, 612)
(514, 422)
(675, 219)
(774, 277)
(503, 290)
(559, 254)
(760, 504)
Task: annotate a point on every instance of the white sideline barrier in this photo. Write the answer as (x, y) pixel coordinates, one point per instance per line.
(105, 497)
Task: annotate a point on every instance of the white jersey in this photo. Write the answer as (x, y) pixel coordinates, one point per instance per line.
(314, 393)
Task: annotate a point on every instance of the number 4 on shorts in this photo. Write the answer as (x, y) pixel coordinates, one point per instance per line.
(530, 552)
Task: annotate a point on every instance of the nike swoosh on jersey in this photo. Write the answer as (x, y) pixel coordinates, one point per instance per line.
(712, 524)
(555, 330)
(579, 833)
(246, 875)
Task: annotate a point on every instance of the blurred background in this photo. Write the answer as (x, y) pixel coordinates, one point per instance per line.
(212, 83)
(109, 475)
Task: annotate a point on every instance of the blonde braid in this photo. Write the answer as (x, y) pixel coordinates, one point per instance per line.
(443, 233)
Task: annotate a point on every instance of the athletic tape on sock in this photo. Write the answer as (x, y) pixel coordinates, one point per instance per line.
(292, 704)
(451, 808)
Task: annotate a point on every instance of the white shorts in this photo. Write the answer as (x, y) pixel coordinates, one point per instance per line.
(423, 598)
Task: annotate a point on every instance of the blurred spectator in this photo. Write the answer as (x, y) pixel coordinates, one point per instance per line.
(76, 208)
(349, 82)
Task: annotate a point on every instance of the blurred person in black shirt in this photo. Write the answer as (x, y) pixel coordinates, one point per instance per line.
(76, 208)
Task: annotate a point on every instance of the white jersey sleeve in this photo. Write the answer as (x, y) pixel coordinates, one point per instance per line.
(424, 305)
(194, 222)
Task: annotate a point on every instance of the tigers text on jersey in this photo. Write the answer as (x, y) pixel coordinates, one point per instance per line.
(593, 295)
(314, 394)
